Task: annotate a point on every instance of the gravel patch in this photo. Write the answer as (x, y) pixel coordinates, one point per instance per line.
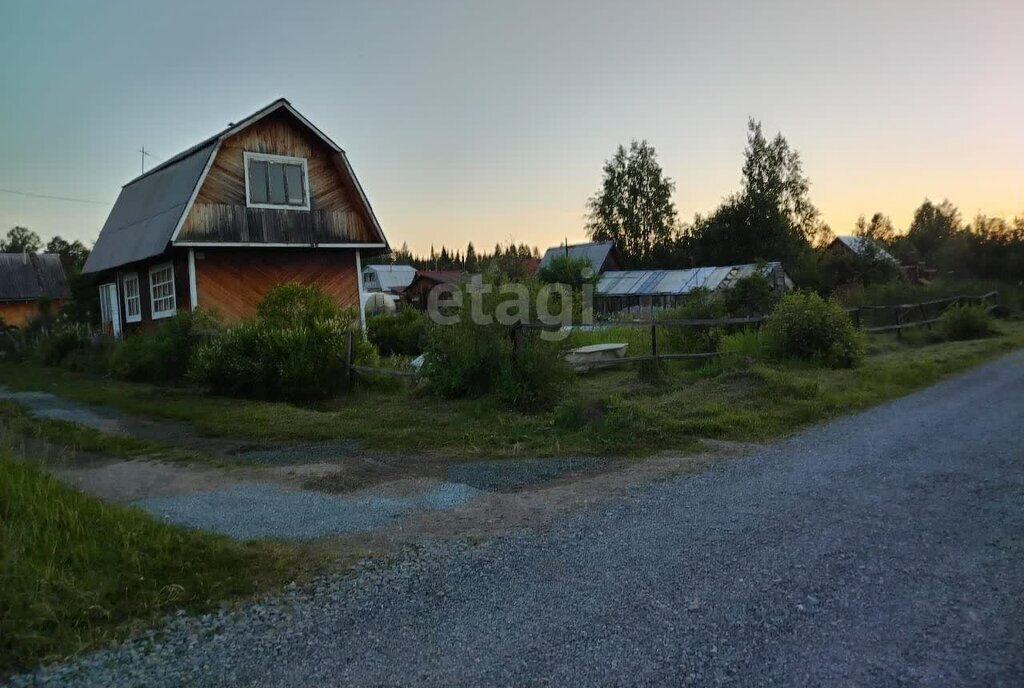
(262, 510)
(883, 549)
(297, 452)
(505, 475)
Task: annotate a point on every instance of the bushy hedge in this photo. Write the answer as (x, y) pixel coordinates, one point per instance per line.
(966, 322)
(700, 304)
(526, 371)
(807, 327)
(164, 353)
(398, 334)
(294, 350)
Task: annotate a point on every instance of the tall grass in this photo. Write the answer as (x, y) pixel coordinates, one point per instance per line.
(76, 572)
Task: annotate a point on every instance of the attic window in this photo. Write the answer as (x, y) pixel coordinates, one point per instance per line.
(276, 181)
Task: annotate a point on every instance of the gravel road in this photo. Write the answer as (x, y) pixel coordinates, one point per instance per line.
(883, 549)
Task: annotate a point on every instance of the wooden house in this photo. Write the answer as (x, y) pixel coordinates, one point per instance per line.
(268, 200)
(603, 255)
(30, 283)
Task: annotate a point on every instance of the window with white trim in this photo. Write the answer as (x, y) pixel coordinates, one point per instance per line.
(132, 299)
(276, 181)
(161, 290)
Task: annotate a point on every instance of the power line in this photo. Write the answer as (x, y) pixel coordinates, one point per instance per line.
(52, 198)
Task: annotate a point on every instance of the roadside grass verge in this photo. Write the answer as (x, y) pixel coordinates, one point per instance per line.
(16, 420)
(78, 573)
(615, 411)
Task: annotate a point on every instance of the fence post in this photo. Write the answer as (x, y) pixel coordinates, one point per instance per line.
(350, 356)
(856, 317)
(654, 341)
(899, 322)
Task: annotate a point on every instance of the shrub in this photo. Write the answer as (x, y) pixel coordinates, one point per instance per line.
(62, 341)
(699, 304)
(164, 353)
(291, 304)
(398, 334)
(574, 272)
(469, 359)
(750, 296)
(966, 322)
(295, 350)
(807, 327)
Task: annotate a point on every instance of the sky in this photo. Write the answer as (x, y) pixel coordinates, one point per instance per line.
(490, 121)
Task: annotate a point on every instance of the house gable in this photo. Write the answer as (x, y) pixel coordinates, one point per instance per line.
(337, 211)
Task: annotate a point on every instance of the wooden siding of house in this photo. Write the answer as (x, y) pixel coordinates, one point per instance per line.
(234, 281)
(220, 213)
(179, 259)
(18, 313)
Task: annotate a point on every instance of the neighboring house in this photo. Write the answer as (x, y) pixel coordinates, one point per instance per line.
(602, 255)
(392, 279)
(651, 289)
(417, 293)
(862, 247)
(30, 283)
(268, 200)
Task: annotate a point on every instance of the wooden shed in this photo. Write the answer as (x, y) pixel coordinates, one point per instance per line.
(29, 284)
(268, 200)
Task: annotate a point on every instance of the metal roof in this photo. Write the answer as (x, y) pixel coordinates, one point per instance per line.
(31, 276)
(393, 276)
(151, 207)
(595, 252)
(863, 246)
(147, 212)
(676, 282)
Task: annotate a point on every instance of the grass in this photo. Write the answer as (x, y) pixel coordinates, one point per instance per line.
(612, 412)
(77, 573)
(17, 420)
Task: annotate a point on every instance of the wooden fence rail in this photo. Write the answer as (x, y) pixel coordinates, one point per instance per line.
(898, 313)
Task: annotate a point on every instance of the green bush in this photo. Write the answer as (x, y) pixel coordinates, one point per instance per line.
(753, 295)
(966, 322)
(292, 304)
(295, 350)
(467, 359)
(164, 353)
(61, 342)
(398, 334)
(807, 327)
(699, 304)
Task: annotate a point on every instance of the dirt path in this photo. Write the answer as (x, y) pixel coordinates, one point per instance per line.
(883, 548)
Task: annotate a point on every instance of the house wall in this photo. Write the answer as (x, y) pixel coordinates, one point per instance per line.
(234, 281)
(181, 287)
(219, 213)
(18, 313)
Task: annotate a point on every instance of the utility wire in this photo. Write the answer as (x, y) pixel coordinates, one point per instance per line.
(53, 198)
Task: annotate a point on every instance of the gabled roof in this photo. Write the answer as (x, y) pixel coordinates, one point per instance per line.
(864, 246)
(595, 252)
(31, 276)
(152, 207)
(393, 276)
(679, 282)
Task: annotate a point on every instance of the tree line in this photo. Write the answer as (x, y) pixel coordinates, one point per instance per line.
(512, 260)
(772, 217)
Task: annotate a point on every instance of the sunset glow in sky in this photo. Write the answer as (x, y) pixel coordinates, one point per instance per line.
(490, 121)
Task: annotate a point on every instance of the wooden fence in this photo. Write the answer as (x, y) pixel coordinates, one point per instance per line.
(867, 318)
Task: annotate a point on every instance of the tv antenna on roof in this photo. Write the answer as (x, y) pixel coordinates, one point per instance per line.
(146, 154)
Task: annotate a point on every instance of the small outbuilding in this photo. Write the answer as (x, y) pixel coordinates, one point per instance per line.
(653, 289)
(30, 283)
(862, 247)
(602, 255)
(391, 279)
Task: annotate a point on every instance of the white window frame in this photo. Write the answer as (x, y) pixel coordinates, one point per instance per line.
(156, 315)
(129, 298)
(247, 157)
